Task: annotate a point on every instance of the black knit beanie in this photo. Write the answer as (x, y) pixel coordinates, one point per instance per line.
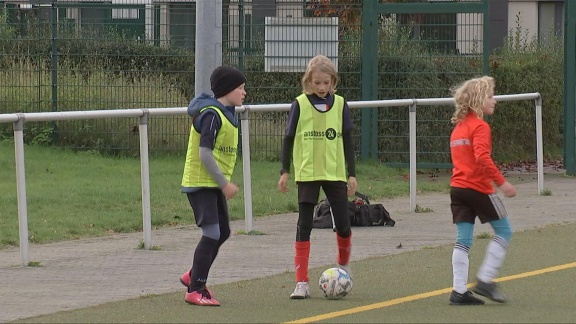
(224, 79)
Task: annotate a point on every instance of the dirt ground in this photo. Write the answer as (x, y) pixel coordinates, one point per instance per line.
(84, 273)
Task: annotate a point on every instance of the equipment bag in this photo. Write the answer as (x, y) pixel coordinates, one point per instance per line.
(360, 212)
(372, 215)
(322, 215)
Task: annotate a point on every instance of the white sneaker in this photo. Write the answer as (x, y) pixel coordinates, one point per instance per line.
(301, 291)
(345, 267)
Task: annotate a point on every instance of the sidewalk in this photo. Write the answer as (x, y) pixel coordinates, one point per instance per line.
(83, 273)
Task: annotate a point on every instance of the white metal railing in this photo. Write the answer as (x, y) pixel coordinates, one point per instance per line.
(18, 119)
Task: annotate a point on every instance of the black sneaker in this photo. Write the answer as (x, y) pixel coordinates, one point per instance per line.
(464, 299)
(489, 290)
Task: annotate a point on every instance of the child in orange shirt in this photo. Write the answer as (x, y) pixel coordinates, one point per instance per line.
(472, 193)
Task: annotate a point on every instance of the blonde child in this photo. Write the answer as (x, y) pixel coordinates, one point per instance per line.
(472, 193)
(318, 140)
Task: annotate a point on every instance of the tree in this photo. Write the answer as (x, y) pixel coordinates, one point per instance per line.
(349, 12)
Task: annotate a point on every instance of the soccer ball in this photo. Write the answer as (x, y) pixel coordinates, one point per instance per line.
(335, 283)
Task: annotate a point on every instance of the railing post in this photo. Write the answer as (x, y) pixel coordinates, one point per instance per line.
(246, 169)
(145, 178)
(412, 139)
(539, 144)
(21, 188)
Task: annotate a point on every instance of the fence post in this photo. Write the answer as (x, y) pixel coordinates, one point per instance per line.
(486, 41)
(241, 34)
(570, 88)
(369, 74)
(208, 43)
(54, 60)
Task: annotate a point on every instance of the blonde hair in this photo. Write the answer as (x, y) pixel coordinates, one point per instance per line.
(319, 63)
(470, 97)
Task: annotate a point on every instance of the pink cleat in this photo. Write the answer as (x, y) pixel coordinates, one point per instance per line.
(185, 279)
(201, 298)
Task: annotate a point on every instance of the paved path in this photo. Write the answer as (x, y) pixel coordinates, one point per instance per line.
(89, 272)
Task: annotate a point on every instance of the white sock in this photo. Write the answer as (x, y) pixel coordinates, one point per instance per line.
(495, 254)
(460, 264)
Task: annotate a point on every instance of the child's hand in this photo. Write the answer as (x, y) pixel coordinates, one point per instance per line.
(230, 190)
(352, 186)
(508, 189)
(283, 182)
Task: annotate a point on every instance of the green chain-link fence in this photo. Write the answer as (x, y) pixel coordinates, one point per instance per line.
(74, 55)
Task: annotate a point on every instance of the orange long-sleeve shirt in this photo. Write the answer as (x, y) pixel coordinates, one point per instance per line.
(471, 149)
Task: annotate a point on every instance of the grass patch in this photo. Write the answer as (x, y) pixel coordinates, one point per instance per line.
(546, 192)
(153, 247)
(35, 264)
(252, 232)
(484, 235)
(420, 209)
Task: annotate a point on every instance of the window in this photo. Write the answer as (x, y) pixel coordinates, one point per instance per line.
(550, 19)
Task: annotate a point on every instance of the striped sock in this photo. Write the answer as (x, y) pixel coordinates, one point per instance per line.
(495, 254)
(460, 265)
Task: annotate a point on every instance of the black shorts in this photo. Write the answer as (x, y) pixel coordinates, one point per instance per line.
(209, 206)
(467, 203)
(309, 191)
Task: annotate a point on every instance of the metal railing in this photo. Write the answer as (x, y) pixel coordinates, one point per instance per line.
(18, 120)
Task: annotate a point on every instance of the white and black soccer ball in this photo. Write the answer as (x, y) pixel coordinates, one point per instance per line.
(335, 283)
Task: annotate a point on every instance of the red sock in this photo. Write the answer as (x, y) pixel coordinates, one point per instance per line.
(344, 248)
(301, 260)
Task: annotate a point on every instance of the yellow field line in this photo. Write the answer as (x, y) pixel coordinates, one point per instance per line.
(423, 295)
